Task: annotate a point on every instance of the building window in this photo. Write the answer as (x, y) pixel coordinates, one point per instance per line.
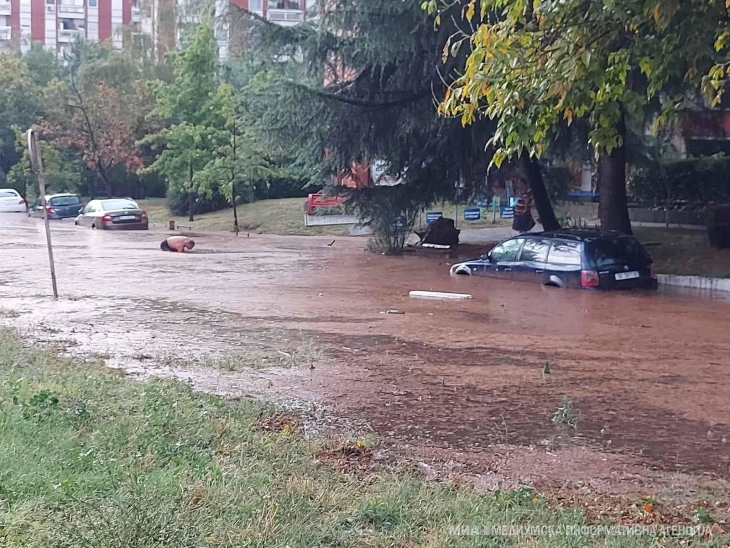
(93, 3)
(51, 2)
(255, 5)
(285, 5)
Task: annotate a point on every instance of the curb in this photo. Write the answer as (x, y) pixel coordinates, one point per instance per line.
(695, 282)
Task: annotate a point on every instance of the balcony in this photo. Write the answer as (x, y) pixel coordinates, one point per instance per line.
(136, 15)
(5, 7)
(71, 11)
(5, 33)
(69, 35)
(286, 17)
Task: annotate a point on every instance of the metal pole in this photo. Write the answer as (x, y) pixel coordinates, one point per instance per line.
(37, 163)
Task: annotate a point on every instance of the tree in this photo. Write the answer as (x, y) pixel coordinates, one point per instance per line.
(20, 104)
(43, 65)
(358, 87)
(190, 103)
(101, 109)
(61, 173)
(238, 162)
(534, 68)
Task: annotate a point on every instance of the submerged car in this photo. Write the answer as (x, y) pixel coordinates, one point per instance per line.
(11, 201)
(584, 258)
(113, 214)
(58, 206)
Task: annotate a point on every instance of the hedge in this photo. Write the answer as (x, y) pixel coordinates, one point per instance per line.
(693, 180)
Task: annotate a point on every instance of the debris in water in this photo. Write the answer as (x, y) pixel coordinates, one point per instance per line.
(438, 295)
(392, 311)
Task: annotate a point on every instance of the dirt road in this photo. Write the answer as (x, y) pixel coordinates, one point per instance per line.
(648, 376)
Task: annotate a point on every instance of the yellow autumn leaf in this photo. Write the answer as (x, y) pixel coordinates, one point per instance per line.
(286, 430)
(727, 4)
(470, 10)
(657, 12)
(360, 443)
(568, 116)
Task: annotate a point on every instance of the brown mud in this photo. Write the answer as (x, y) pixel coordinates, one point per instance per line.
(457, 384)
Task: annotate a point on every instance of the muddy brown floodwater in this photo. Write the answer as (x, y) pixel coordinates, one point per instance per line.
(294, 320)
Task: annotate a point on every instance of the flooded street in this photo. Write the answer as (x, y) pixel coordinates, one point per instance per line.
(296, 320)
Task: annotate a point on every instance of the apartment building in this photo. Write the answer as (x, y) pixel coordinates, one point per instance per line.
(57, 23)
(282, 12)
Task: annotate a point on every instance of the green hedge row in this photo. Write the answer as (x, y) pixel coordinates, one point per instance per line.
(694, 180)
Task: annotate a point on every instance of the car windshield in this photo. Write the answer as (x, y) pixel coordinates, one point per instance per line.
(116, 205)
(8, 194)
(621, 250)
(65, 200)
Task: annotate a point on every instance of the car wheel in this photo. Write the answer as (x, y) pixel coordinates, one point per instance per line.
(76, 223)
(93, 226)
(463, 271)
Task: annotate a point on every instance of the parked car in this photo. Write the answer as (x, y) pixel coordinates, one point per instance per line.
(11, 201)
(113, 214)
(58, 206)
(583, 258)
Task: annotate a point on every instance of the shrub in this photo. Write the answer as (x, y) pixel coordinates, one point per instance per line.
(693, 180)
(177, 202)
(390, 212)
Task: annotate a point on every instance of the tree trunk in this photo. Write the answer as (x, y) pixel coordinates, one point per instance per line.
(235, 211)
(90, 183)
(233, 185)
(105, 177)
(613, 207)
(531, 168)
(191, 201)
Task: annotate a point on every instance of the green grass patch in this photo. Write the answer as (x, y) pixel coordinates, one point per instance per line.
(91, 458)
(684, 252)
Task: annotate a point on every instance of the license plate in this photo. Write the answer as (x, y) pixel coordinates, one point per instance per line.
(127, 218)
(627, 275)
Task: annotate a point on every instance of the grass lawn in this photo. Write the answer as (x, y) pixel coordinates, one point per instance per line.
(91, 458)
(284, 216)
(684, 252)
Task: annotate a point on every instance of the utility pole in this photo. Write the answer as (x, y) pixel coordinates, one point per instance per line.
(36, 162)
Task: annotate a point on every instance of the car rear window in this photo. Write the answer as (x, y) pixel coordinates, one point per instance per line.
(65, 200)
(116, 205)
(8, 194)
(621, 250)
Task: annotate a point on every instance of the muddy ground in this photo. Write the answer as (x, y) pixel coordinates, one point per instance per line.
(459, 386)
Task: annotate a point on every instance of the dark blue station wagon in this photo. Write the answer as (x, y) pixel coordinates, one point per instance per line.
(583, 258)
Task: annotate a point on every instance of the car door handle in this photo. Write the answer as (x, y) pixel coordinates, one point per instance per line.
(539, 271)
(507, 269)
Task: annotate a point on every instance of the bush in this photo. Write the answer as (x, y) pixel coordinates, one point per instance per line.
(177, 202)
(284, 188)
(693, 180)
(390, 212)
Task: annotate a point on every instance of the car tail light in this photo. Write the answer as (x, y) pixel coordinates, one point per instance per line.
(589, 278)
(144, 214)
(50, 210)
(106, 219)
(21, 202)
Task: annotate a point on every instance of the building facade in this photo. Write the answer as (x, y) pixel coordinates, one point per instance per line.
(57, 23)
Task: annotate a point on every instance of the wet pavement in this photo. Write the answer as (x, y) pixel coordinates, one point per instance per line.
(295, 320)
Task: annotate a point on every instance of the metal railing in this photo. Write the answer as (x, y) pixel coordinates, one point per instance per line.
(289, 16)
